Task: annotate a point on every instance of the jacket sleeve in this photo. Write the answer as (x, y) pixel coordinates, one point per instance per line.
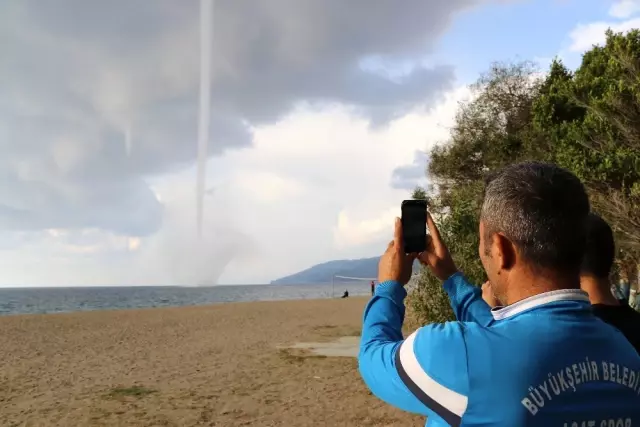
(426, 373)
(466, 300)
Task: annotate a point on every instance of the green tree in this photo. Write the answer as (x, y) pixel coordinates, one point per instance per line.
(592, 120)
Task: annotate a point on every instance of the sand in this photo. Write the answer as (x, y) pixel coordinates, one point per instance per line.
(218, 365)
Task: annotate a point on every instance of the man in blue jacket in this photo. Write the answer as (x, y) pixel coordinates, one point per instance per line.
(542, 358)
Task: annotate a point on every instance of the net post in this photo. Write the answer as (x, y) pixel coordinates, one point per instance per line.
(333, 284)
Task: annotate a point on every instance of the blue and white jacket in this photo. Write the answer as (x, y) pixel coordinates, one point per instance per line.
(543, 361)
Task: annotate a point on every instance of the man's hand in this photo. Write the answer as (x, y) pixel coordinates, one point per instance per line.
(487, 295)
(394, 263)
(437, 256)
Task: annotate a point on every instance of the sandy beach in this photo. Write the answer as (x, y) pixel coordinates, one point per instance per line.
(217, 365)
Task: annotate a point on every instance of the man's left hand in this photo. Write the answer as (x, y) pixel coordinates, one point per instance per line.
(488, 296)
(395, 264)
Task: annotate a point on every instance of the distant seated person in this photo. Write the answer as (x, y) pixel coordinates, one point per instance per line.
(345, 295)
(594, 279)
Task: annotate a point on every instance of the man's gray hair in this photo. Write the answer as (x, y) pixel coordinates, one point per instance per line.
(542, 209)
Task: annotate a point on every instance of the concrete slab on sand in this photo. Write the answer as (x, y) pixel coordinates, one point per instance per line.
(342, 347)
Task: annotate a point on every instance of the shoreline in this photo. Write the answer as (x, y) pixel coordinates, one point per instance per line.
(213, 304)
(80, 299)
(220, 364)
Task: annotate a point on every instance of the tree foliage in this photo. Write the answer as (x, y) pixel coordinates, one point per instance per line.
(587, 121)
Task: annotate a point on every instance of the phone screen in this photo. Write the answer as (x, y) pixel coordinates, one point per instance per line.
(414, 225)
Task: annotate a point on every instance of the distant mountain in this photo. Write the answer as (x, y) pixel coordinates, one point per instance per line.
(323, 273)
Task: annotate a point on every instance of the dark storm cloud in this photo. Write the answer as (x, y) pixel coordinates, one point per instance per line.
(410, 176)
(78, 76)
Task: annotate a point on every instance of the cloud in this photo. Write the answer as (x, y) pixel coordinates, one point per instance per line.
(624, 8)
(267, 187)
(584, 36)
(408, 177)
(344, 205)
(95, 97)
(98, 110)
(177, 255)
(275, 208)
(361, 231)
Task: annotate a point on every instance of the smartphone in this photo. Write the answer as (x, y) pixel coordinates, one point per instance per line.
(414, 225)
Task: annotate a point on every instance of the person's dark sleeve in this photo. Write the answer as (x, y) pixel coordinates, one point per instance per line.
(426, 373)
(466, 300)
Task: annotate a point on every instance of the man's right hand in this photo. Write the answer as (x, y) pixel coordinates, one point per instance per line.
(437, 256)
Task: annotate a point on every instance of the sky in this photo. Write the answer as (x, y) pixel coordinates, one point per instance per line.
(322, 116)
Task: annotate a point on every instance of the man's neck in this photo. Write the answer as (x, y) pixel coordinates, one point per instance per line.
(599, 290)
(531, 284)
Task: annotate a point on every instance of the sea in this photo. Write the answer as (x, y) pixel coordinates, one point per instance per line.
(60, 300)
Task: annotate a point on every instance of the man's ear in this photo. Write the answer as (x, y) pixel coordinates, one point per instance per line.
(505, 252)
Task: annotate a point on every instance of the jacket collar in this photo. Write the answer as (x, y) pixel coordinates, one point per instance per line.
(500, 313)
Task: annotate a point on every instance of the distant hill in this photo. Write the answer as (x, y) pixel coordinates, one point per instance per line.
(323, 273)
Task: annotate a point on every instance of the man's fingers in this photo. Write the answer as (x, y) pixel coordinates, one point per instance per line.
(429, 242)
(397, 234)
(433, 231)
(423, 257)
